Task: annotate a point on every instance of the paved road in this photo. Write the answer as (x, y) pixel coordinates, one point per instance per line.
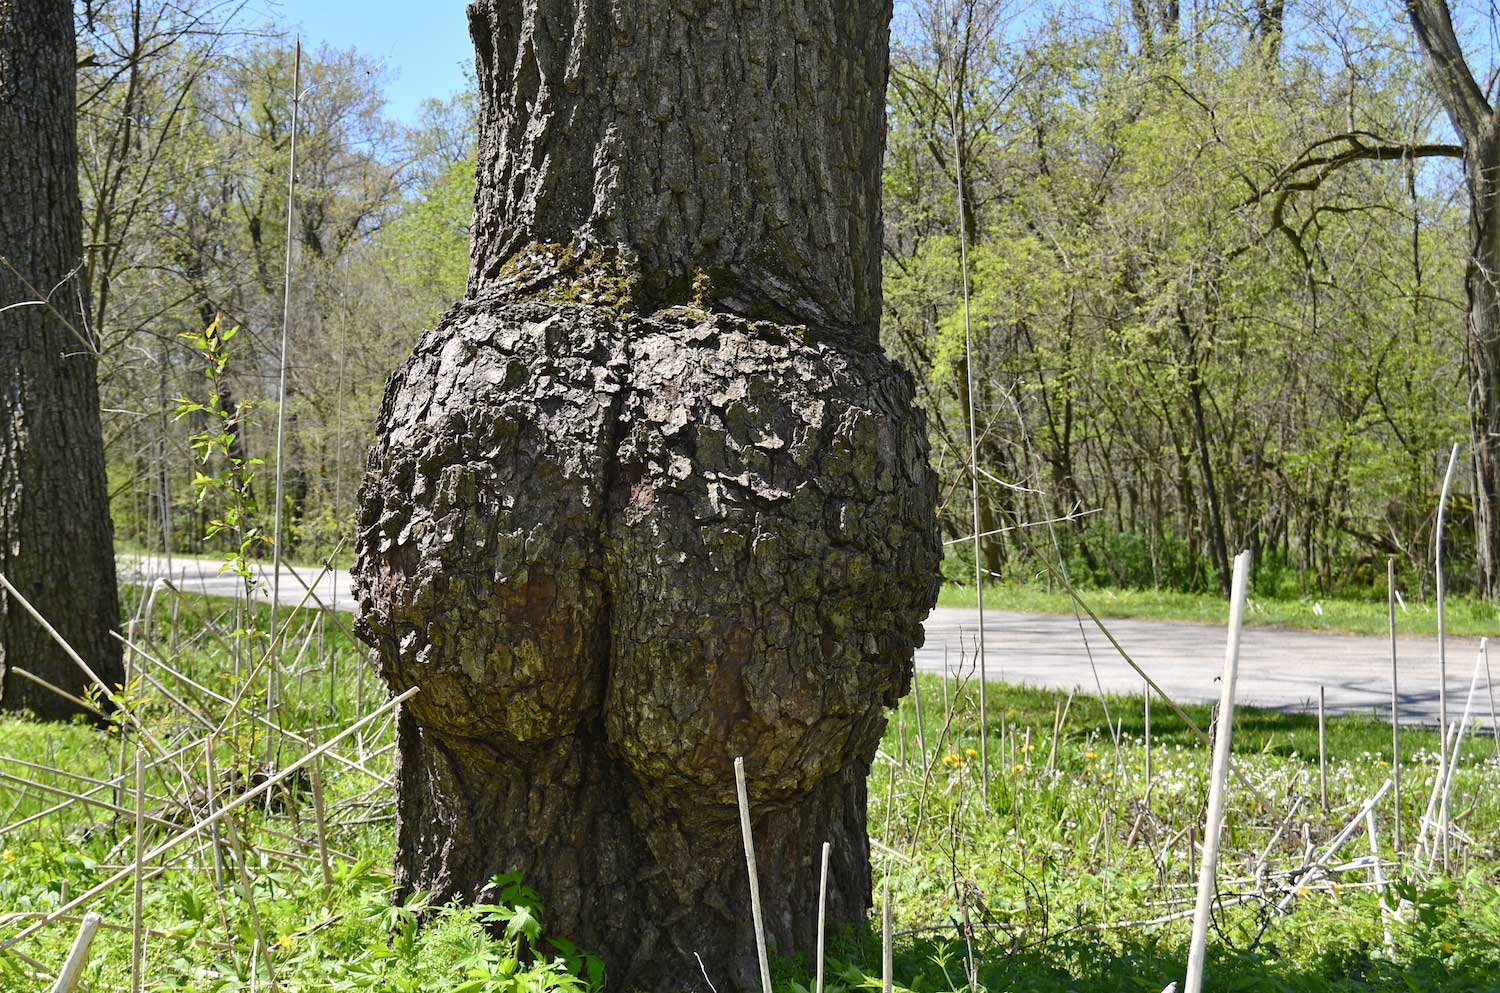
(1278, 668)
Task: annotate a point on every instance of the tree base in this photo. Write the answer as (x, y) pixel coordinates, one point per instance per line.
(616, 552)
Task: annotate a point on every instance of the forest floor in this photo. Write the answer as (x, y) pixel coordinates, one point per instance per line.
(1074, 872)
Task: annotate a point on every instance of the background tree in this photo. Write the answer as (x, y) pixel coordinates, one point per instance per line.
(652, 497)
(56, 543)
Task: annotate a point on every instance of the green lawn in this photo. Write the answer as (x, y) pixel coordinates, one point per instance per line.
(1074, 871)
(1462, 615)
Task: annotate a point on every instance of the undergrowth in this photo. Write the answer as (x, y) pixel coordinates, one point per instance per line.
(1074, 874)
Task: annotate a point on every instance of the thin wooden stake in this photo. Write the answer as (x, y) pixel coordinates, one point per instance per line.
(887, 949)
(822, 913)
(1390, 597)
(1148, 740)
(1442, 635)
(78, 955)
(1322, 749)
(138, 934)
(1222, 742)
(760, 931)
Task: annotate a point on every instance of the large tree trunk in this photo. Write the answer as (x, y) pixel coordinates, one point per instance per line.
(56, 540)
(652, 497)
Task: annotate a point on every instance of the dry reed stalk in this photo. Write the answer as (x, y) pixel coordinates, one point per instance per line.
(161, 849)
(1312, 872)
(755, 912)
(321, 818)
(78, 955)
(247, 891)
(74, 700)
(1218, 782)
(306, 742)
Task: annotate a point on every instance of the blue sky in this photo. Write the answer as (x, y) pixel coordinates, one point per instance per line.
(424, 44)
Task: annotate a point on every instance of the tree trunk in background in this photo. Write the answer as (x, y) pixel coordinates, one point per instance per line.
(56, 539)
(652, 497)
(1478, 126)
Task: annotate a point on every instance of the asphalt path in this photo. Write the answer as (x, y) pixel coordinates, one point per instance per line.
(1279, 668)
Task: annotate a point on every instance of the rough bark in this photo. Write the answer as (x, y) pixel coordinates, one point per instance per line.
(615, 552)
(56, 539)
(735, 146)
(619, 527)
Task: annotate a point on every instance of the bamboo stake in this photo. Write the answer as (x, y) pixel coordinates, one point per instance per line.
(78, 955)
(1322, 749)
(1378, 872)
(822, 913)
(1443, 821)
(1489, 686)
(887, 951)
(760, 930)
(1442, 636)
(1222, 744)
(138, 936)
(1148, 741)
(1390, 597)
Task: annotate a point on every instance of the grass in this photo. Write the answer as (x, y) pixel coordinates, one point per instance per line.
(1463, 616)
(1072, 845)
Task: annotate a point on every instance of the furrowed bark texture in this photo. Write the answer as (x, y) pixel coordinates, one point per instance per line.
(615, 552)
(56, 540)
(737, 144)
(621, 528)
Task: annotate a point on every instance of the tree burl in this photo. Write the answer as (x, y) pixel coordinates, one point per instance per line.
(640, 505)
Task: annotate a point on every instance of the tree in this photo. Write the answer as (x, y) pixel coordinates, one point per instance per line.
(1478, 127)
(652, 497)
(56, 540)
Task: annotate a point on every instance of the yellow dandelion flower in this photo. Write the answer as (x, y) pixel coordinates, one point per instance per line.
(1028, 748)
(970, 752)
(1447, 946)
(9, 855)
(1017, 767)
(285, 941)
(1302, 891)
(1091, 754)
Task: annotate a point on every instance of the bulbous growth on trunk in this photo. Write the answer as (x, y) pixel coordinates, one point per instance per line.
(619, 526)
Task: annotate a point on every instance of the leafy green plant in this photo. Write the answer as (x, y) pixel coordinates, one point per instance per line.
(223, 468)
